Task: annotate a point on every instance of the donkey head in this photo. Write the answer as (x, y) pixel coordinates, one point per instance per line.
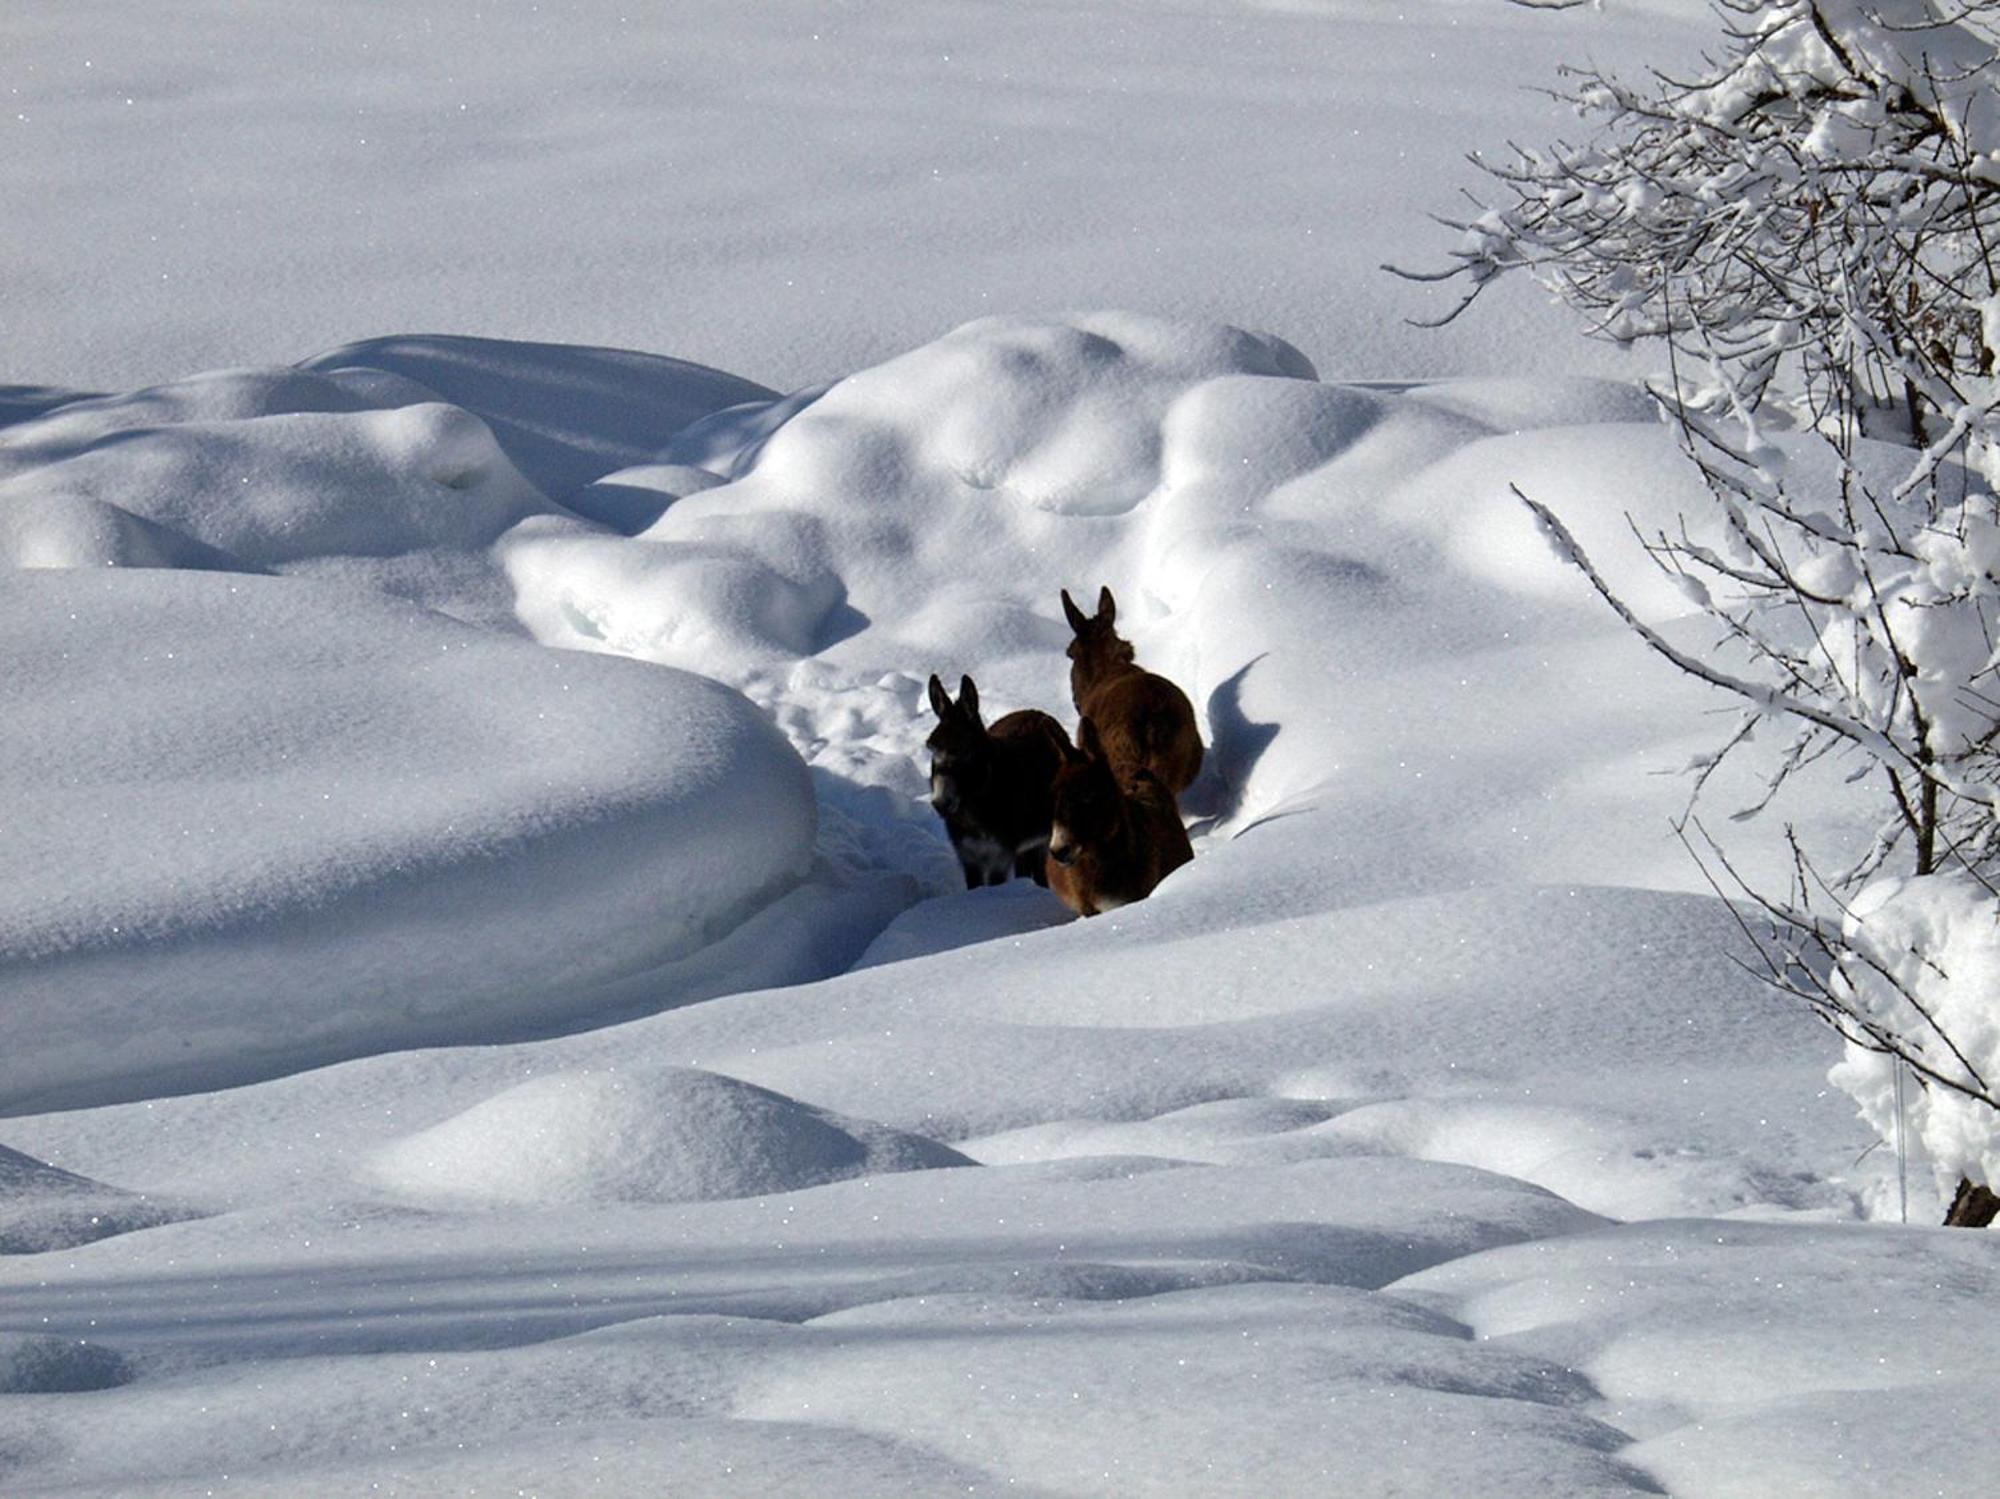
(1097, 650)
(961, 752)
(1089, 807)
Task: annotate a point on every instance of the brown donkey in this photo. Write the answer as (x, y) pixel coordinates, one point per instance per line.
(1146, 722)
(993, 786)
(1111, 843)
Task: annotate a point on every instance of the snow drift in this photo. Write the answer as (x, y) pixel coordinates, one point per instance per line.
(44, 1208)
(261, 822)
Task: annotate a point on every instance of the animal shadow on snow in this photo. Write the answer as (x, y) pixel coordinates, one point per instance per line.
(1236, 744)
(837, 624)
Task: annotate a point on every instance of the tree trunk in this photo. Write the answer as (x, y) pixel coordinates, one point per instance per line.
(1973, 1207)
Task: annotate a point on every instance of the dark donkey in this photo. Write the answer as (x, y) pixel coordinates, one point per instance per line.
(992, 786)
(1114, 837)
(1146, 722)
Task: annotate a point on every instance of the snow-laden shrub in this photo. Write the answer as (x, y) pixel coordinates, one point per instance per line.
(1921, 963)
(1806, 225)
(1810, 231)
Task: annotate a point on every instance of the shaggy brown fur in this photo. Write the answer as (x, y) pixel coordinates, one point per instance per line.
(1147, 723)
(1112, 841)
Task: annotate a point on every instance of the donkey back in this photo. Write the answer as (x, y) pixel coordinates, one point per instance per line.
(1113, 838)
(1144, 720)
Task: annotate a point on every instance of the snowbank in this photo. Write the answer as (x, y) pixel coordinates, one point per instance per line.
(565, 415)
(1333, 572)
(867, 507)
(271, 467)
(261, 822)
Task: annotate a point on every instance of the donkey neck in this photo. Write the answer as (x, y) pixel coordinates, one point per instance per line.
(1126, 846)
(1095, 672)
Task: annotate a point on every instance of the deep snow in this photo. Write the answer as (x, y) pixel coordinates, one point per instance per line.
(696, 1133)
(258, 823)
(1440, 980)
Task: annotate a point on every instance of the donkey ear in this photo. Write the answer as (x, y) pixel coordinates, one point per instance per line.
(1087, 740)
(968, 697)
(1077, 618)
(940, 703)
(1107, 606)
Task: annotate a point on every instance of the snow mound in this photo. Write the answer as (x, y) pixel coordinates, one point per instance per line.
(1275, 542)
(53, 528)
(1610, 477)
(31, 1364)
(672, 1134)
(214, 396)
(825, 552)
(278, 488)
(260, 822)
(1011, 440)
(392, 465)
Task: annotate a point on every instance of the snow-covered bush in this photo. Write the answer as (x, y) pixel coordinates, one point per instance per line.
(1807, 226)
(1919, 960)
(1808, 231)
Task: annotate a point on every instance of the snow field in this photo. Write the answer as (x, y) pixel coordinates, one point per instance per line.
(1294, 1179)
(1438, 983)
(792, 192)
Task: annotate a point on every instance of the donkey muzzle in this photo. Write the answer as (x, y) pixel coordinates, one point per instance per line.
(944, 793)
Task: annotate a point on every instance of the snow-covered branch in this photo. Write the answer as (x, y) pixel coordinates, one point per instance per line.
(1808, 232)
